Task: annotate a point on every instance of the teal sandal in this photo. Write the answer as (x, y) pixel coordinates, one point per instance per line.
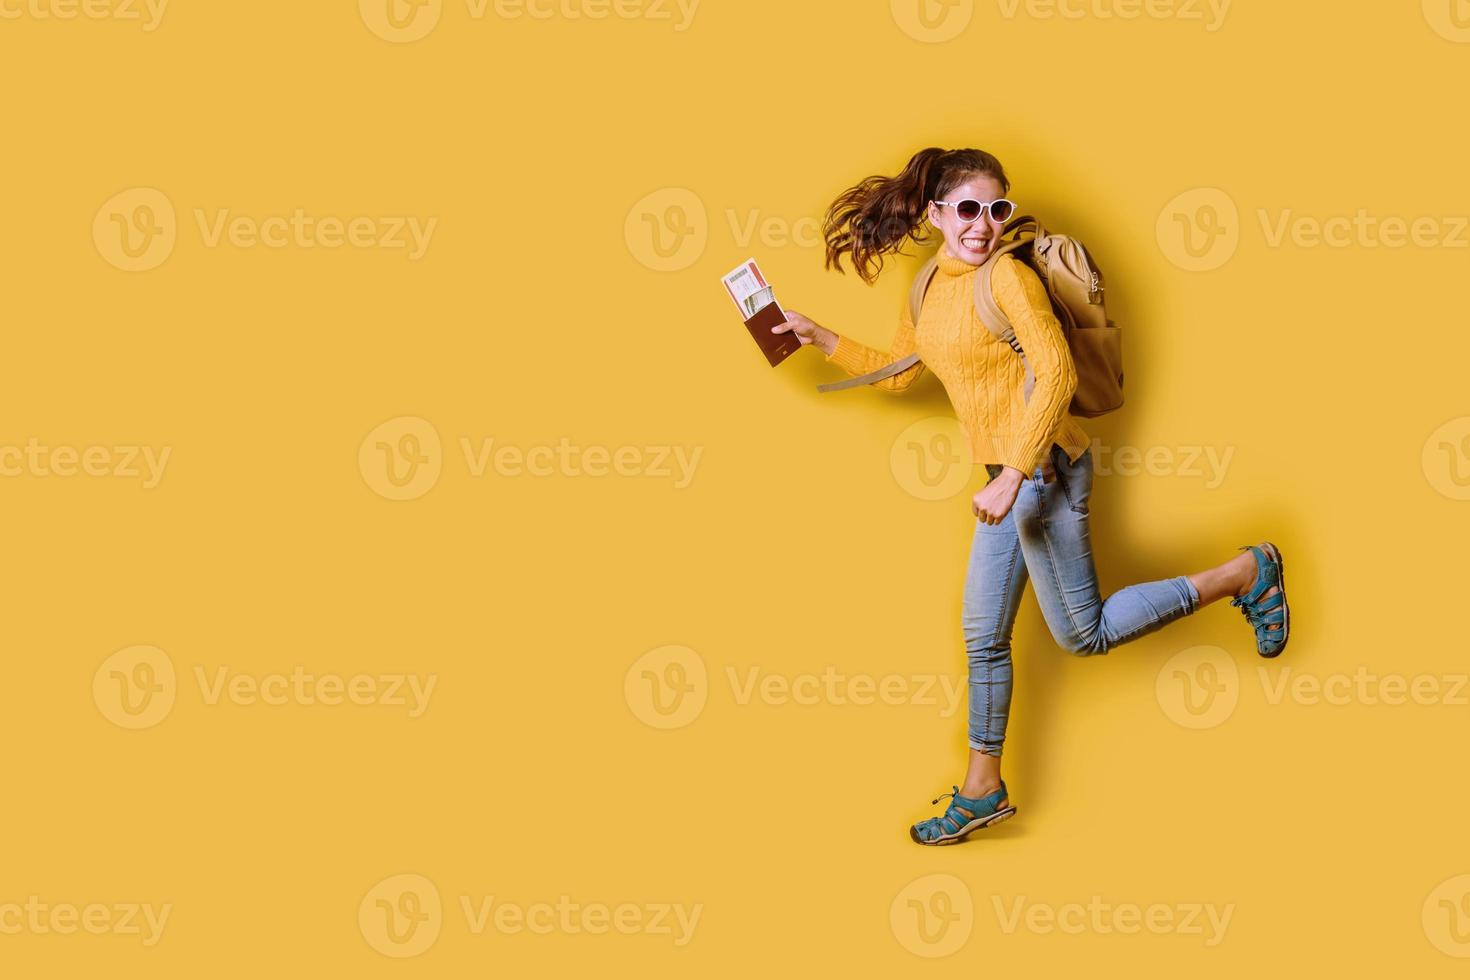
(1266, 615)
(963, 817)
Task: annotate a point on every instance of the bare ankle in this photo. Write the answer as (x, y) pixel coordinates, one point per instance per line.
(1245, 574)
(980, 788)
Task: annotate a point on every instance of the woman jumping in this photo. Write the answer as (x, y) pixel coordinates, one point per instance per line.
(1032, 516)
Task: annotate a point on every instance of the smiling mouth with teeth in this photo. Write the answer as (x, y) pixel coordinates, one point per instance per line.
(975, 244)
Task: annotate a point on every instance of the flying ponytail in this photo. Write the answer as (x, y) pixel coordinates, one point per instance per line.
(875, 216)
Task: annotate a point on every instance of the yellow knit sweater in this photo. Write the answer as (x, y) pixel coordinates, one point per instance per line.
(984, 377)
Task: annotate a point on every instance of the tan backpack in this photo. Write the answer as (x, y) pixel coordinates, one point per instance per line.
(1075, 286)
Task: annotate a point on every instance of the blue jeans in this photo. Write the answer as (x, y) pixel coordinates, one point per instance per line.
(1045, 537)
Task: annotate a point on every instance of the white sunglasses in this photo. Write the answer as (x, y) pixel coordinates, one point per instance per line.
(970, 210)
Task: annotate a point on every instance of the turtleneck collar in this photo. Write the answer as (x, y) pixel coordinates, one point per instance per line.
(951, 266)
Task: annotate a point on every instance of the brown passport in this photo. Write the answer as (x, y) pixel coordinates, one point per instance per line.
(776, 346)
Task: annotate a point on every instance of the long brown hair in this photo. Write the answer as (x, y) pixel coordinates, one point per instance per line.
(875, 216)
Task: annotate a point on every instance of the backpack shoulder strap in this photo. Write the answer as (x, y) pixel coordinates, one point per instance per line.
(989, 310)
(887, 371)
(916, 303)
(921, 287)
(1019, 233)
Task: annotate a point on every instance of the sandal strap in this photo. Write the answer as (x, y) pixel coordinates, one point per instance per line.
(977, 807)
(1270, 602)
(954, 817)
(1257, 616)
(1266, 576)
(1266, 614)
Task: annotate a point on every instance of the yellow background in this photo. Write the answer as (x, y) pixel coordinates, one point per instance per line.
(537, 315)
